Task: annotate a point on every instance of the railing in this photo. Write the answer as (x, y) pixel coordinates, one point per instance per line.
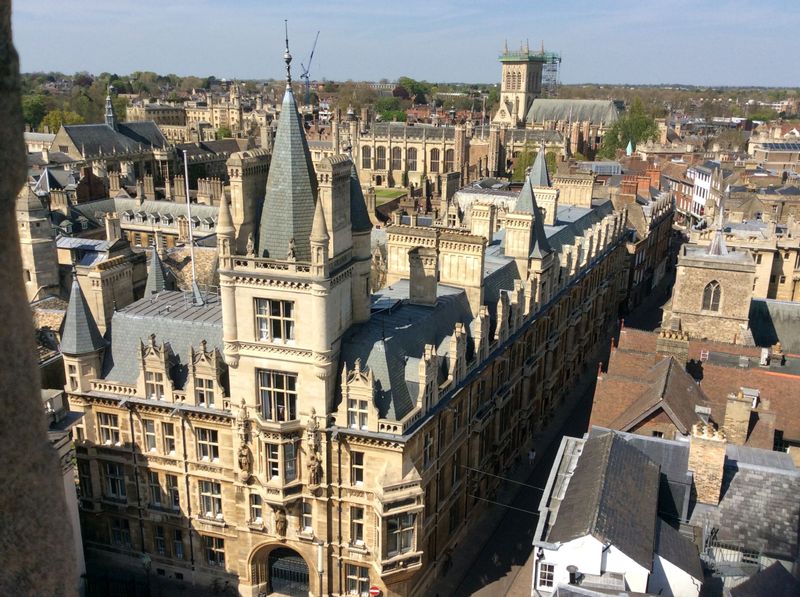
(110, 387)
(250, 263)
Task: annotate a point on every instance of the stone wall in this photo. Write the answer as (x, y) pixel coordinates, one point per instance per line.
(707, 462)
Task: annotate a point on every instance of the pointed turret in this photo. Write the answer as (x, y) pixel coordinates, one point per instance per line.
(537, 177)
(80, 335)
(291, 191)
(319, 230)
(111, 117)
(157, 280)
(319, 240)
(359, 216)
(225, 222)
(540, 247)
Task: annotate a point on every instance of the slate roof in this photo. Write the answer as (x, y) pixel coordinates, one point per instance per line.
(359, 216)
(174, 320)
(80, 334)
(156, 276)
(758, 508)
(598, 499)
(773, 581)
(678, 550)
(576, 110)
(291, 193)
(670, 388)
(93, 139)
(391, 343)
(773, 321)
(95, 210)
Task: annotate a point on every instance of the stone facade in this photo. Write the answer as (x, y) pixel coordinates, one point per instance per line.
(707, 462)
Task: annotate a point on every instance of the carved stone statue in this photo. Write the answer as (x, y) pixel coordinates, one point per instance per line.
(244, 461)
(280, 522)
(314, 469)
(251, 245)
(291, 253)
(312, 431)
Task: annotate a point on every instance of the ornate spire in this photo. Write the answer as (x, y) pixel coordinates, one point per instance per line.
(157, 280)
(111, 117)
(319, 231)
(287, 57)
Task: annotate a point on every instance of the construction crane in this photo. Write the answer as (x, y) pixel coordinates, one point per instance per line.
(306, 69)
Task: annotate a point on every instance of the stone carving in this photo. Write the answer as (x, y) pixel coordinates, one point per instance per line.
(291, 253)
(280, 522)
(251, 246)
(314, 469)
(244, 462)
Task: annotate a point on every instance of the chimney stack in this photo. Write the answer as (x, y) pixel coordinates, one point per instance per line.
(424, 270)
(737, 417)
(113, 227)
(707, 461)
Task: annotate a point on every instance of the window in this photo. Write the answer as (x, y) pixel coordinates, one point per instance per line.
(658, 434)
(256, 506)
(109, 428)
(120, 532)
(427, 450)
(149, 427)
(84, 479)
(154, 385)
(289, 462)
(356, 468)
(546, 573)
(177, 544)
(210, 499)
(711, 296)
(207, 444)
(306, 520)
(278, 395)
(204, 391)
(357, 580)
(400, 534)
(357, 525)
(168, 431)
(115, 481)
(366, 157)
(397, 158)
(380, 158)
(456, 466)
(357, 413)
(215, 551)
(273, 460)
(411, 159)
(173, 492)
(72, 373)
(159, 541)
(448, 160)
(758, 258)
(155, 489)
(434, 160)
(274, 321)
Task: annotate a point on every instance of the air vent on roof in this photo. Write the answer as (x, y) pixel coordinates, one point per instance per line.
(703, 412)
(764, 360)
(744, 362)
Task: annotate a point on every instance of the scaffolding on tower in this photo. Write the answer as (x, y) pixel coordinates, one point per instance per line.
(551, 62)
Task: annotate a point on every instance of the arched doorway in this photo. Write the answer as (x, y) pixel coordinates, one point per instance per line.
(280, 571)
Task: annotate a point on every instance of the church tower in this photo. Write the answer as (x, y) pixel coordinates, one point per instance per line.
(520, 83)
(39, 260)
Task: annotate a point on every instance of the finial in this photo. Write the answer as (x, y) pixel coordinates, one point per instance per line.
(287, 57)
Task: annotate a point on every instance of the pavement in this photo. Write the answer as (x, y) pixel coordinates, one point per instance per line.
(501, 563)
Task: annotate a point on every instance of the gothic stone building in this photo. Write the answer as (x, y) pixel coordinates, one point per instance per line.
(297, 435)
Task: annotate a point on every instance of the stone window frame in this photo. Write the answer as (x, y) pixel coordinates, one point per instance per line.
(358, 582)
(358, 413)
(712, 296)
(214, 550)
(210, 494)
(357, 525)
(277, 403)
(153, 382)
(149, 435)
(449, 160)
(173, 491)
(256, 508)
(204, 391)
(115, 487)
(160, 540)
(380, 157)
(403, 536)
(154, 489)
(306, 517)
(366, 157)
(120, 532)
(168, 441)
(545, 578)
(177, 544)
(396, 158)
(266, 320)
(411, 159)
(108, 428)
(435, 160)
(357, 460)
(207, 444)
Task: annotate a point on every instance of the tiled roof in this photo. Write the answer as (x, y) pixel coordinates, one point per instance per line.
(776, 321)
(291, 192)
(93, 139)
(598, 499)
(773, 581)
(80, 334)
(576, 110)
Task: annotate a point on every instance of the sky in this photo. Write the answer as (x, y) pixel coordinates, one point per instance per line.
(695, 42)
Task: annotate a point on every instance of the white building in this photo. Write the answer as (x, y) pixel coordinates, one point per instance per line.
(599, 529)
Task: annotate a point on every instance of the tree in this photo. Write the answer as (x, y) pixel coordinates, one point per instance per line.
(525, 160)
(224, 132)
(401, 92)
(634, 126)
(55, 118)
(33, 109)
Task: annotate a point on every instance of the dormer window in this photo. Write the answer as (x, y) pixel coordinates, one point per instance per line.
(204, 392)
(357, 413)
(154, 385)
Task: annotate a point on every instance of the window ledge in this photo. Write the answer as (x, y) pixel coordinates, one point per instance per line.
(304, 535)
(214, 522)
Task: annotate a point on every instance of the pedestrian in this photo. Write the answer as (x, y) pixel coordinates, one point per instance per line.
(531, 456)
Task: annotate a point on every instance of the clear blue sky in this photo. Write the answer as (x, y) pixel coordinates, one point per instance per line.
(716, 42)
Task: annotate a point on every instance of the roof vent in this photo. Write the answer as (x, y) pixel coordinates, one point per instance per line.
(744, 362)
(764, 360)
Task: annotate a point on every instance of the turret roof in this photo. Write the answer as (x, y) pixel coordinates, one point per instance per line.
(80, 334)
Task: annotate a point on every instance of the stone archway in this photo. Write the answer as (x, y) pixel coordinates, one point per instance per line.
(279, 570)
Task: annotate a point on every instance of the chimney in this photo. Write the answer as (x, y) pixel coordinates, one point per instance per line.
(737, 417)
(482, 220)
(643, 185)
(707, 462)
(629, 185)
(673, 342)
(654, 172)
(113, 182)
(46, 155)
(149, 186)
(113, 227)
(424, 270)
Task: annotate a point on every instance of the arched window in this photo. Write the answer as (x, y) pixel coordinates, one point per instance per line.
(411, 159)
(711, 296)
(380, 158)
(397, 158)
(434, 160)
(448, 160)
(508, 80)
(366, 157)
